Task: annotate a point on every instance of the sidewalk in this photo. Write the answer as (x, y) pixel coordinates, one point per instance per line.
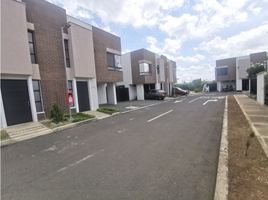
(31, 130)
(257, 116)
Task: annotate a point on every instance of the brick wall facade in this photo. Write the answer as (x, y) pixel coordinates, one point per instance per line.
(231, 63)
(48, 20)
(103, 40)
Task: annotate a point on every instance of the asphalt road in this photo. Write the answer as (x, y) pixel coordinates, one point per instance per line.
(166, 151)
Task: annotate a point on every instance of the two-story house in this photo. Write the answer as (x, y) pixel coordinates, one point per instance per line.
(144, 70)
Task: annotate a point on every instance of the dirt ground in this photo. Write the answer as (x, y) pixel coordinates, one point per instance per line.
(248, 167)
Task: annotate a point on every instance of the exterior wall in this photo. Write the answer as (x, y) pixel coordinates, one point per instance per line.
(260, 88)
(140, 92)
(49, 20)
(93, 94)
(242, 64)
(102, 97)
(137, 57)
(127, 72)
(161, 70)
(15, 54)
(111, 93)
(132, 92)
(230, 63)
(258, 57)
(103, 41)
(81, 51)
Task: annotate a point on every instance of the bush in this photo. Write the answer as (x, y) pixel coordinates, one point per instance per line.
(56, 114)
(4, 135)
(108, 110)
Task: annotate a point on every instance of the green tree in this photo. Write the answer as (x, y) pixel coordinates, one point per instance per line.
(254, 70)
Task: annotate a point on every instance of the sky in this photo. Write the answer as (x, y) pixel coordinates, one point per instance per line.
(193, 33)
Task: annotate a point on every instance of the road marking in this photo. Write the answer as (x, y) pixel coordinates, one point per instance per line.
(194, 100)
(160, 116)
(180, 100)
(79, 161)
(210, 101)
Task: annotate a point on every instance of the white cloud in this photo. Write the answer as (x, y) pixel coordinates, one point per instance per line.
(243, 43)
(131, 12)
(254, 8)
(191, 59)
(210, 17)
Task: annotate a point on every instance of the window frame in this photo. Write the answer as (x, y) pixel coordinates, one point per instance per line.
(115, 65)
(223, 71)
(40, 95)
(32, 54)
(67, 53)
(142, 66)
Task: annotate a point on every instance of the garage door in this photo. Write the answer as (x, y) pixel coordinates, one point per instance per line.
(16, 101)
(82, 91)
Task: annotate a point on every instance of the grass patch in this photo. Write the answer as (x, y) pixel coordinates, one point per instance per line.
(4, 135)
(108, 110)
(76, 117)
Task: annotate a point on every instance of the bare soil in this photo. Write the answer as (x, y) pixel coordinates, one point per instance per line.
(248, 165)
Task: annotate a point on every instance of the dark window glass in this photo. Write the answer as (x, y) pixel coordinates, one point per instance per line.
(67, 55)
(158, 69)
(37, 96)
(32, 47)
(222, 71)
(70, 85)
(110, 60)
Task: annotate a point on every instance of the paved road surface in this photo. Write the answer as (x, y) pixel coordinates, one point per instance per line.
(167, 151)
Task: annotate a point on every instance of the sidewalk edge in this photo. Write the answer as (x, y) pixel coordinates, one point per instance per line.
(221, 188)
(256, 132)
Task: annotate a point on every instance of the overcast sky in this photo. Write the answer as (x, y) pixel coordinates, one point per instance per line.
(193, 33)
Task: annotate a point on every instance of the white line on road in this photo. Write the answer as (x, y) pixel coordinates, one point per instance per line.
(159, 116)
(179, 101)
(210, 101)
(79, 161)
(194, 100)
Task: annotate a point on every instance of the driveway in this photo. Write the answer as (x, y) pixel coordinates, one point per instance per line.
(166, 151)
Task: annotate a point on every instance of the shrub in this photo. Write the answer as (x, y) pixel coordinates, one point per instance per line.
(56, 114)
(4, 135)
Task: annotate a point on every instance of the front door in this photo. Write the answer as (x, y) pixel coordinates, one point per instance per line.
(16, 101)
(82, 92)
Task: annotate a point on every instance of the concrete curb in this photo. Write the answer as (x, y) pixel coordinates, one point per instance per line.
(221, 188)
(256, 132)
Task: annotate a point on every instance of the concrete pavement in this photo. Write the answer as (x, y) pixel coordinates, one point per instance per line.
(257, 116)
(167, 151)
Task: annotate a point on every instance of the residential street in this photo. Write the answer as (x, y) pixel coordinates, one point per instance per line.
(165, 151)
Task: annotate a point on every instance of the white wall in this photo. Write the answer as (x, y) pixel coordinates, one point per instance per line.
(219, 87)
(132, 92)
(238, 84)
(93, 94)
(111, 92)
(260, 87)
(102, 97)
(81, 51)
(162, 70)
(127, 71)
(140, 92)
(15, 54)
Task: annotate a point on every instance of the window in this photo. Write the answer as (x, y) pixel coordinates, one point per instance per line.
(113, 61)
(32, 47)
(67, 55)
(145, 68)
(70, 89)
(158, 69)
(37, 96)
(222, 71)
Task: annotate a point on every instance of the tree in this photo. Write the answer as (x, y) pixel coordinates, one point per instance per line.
(254, 70)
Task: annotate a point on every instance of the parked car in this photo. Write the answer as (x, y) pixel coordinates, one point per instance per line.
(156, 94)
(179, 91)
